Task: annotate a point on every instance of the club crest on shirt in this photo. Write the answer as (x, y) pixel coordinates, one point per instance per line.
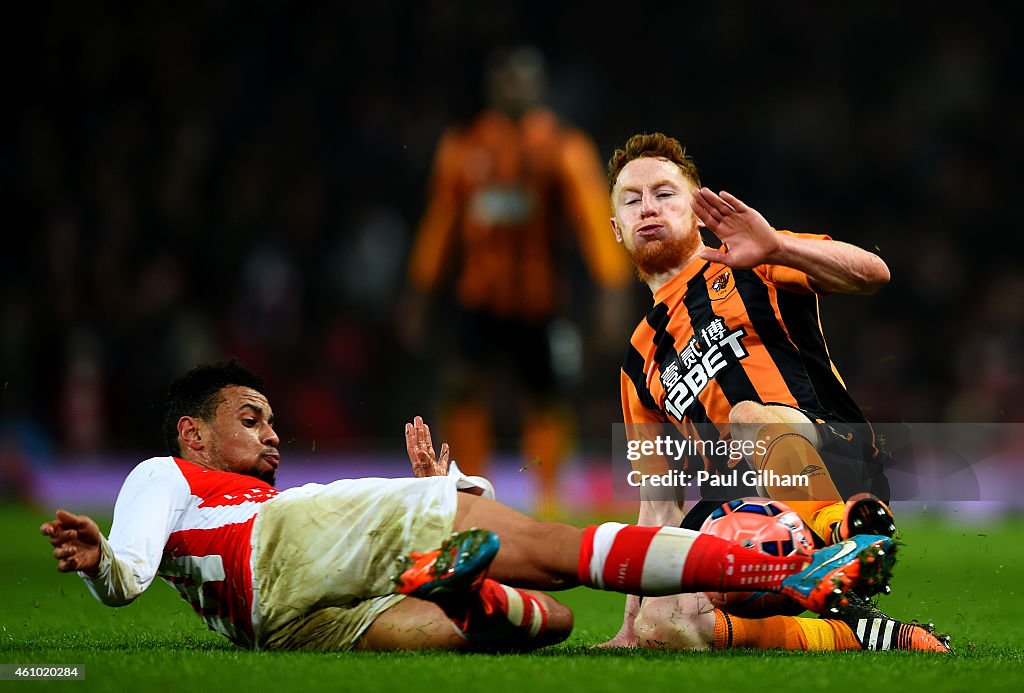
(721, 285)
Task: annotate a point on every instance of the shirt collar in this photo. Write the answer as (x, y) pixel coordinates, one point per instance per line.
(679, 282)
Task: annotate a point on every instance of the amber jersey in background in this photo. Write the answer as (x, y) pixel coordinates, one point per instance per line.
(503, 192)
(500, 191)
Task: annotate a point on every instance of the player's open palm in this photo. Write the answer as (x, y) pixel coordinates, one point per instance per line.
(420, 448)
(75, 540)
(748, 240)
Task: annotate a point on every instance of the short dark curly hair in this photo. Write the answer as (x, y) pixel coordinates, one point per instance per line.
(198, 393)
(655, 145)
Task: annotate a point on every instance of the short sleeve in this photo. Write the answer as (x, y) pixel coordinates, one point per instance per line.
(787, 277)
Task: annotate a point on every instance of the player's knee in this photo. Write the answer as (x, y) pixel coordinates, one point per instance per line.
(747, 412)
(674, 623)
(754, 421)
(745, 419)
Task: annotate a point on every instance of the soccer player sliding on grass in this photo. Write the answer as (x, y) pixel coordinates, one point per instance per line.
(732, 353)
(356, 563)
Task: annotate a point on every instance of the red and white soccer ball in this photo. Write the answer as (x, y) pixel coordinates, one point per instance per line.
(770, 527)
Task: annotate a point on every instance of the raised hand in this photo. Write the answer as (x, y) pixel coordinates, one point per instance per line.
(76, 542)
(421, 450)
(748, 240)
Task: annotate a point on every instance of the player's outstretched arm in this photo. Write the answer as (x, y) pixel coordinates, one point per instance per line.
(748, 240)
(76, 542)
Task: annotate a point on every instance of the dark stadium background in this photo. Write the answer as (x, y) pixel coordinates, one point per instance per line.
(193, 180)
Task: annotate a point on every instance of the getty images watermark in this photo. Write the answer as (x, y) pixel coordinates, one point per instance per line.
(673, 448)
(921, 462)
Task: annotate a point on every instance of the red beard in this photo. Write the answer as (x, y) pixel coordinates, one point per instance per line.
(661, 255)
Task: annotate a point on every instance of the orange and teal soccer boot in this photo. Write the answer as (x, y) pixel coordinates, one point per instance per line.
(490, 616)
(863, 563)
(458, 567)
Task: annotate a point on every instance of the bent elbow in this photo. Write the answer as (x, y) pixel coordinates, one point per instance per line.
(875, 276)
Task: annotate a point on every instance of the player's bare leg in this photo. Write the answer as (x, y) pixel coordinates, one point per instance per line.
(534, 554)
(746, 419)
(415, 624)
(412, 624)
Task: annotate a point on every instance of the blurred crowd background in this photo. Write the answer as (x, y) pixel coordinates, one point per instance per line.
(189, 181)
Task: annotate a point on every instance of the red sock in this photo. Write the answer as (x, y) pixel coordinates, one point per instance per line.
(500, 613)
(654, 561)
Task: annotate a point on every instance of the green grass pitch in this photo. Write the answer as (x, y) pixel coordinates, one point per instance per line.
(967, 579)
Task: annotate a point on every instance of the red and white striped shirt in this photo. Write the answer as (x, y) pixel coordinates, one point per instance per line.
(192, 526)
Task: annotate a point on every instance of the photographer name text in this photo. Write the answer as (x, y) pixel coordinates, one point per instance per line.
(674, 478)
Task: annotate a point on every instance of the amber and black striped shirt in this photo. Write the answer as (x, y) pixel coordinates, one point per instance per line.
(717, 336)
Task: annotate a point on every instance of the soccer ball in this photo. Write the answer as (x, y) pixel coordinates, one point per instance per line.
(770, 527)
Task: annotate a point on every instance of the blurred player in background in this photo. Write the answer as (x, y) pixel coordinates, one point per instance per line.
(504, 189)
(732, 350)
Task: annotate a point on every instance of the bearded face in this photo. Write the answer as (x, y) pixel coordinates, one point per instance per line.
(653, 219)
(659, 256)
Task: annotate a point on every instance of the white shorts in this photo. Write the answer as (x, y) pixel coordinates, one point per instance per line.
(324, 556)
